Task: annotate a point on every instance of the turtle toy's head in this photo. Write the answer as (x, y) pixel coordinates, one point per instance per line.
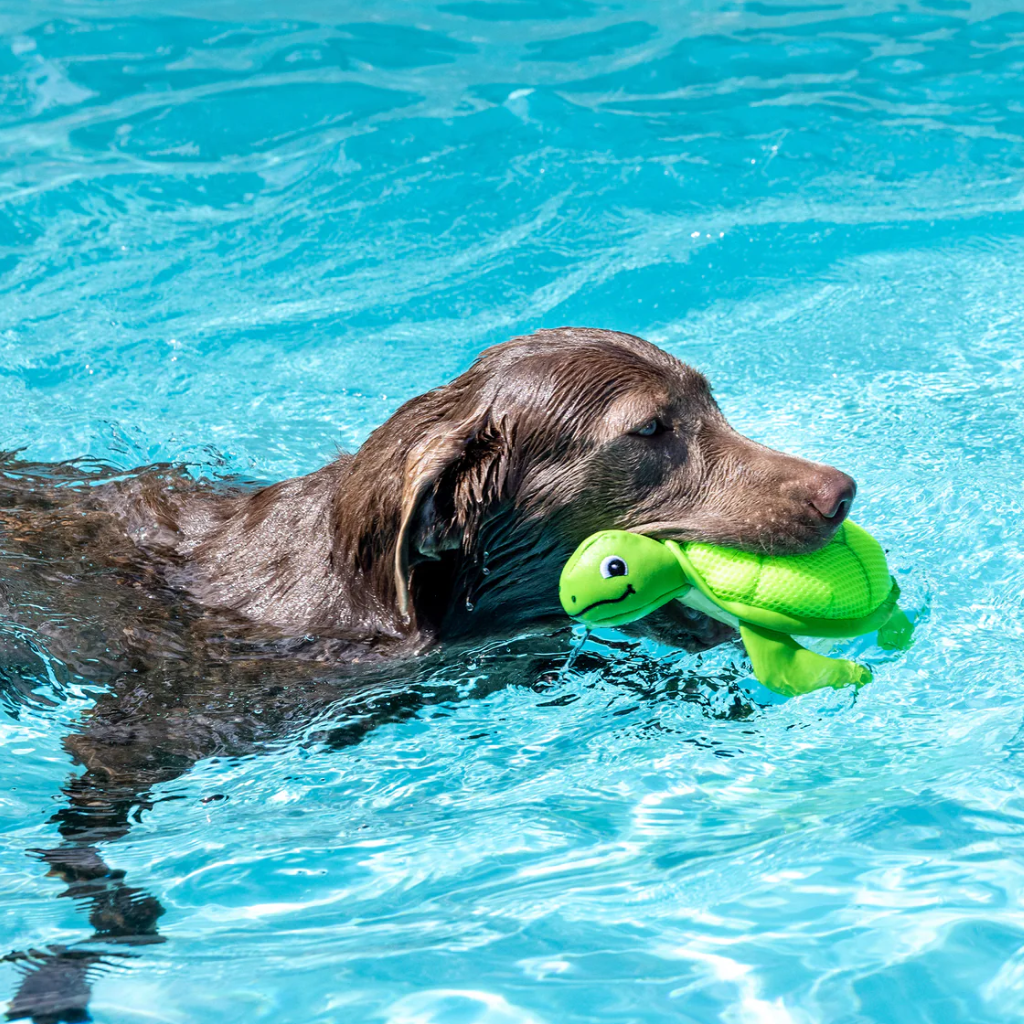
(615, 577)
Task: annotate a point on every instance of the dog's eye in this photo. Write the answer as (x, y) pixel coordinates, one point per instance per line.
(614, 566)
(650, 428)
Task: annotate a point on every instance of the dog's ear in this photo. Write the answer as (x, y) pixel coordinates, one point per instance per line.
(452, 478)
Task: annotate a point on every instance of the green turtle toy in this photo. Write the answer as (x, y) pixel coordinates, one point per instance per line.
(842, 590)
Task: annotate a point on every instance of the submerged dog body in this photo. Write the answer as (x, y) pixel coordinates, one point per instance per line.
(455, 517)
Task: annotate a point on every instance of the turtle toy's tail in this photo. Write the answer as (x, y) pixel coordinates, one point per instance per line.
(897, 633)
(781, 664)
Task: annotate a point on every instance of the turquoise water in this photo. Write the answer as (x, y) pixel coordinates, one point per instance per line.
(239, 235)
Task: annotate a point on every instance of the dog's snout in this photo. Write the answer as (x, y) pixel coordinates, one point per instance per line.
(834, 496)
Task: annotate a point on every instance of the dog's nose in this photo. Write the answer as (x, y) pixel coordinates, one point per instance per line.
(834, 496)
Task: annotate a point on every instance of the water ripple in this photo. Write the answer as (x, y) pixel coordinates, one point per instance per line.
(239, 235)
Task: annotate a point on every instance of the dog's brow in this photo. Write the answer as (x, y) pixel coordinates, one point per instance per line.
(634, 409)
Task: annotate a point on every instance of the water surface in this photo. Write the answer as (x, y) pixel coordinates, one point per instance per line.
(240, 235)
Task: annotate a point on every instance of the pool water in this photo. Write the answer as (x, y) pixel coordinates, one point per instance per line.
(239, 235)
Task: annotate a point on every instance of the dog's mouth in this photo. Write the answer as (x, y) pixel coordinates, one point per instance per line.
(798, 536)
(682, 627)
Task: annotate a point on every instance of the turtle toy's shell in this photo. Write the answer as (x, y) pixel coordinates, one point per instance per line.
(844, 589)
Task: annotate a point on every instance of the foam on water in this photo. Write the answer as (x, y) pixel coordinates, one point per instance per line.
(241, 234)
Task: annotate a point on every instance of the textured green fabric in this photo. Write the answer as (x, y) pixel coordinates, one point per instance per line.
(846, 579)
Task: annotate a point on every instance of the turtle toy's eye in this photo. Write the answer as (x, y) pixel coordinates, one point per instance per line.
(614, 566)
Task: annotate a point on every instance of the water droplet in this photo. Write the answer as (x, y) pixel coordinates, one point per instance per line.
(470, 606)
(486, 571)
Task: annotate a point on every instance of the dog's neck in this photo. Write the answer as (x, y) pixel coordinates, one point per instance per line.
(506, 579)
(502, 576)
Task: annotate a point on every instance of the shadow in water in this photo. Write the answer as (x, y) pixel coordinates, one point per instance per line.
(149, 729)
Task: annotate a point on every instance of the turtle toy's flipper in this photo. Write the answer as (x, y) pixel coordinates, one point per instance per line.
(786, 668)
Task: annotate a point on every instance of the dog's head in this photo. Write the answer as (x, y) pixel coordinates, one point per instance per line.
(474, 495)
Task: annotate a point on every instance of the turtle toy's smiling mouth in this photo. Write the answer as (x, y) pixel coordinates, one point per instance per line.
(608, 600)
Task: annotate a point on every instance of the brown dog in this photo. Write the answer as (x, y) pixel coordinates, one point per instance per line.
(450, 524)
(455, 517)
